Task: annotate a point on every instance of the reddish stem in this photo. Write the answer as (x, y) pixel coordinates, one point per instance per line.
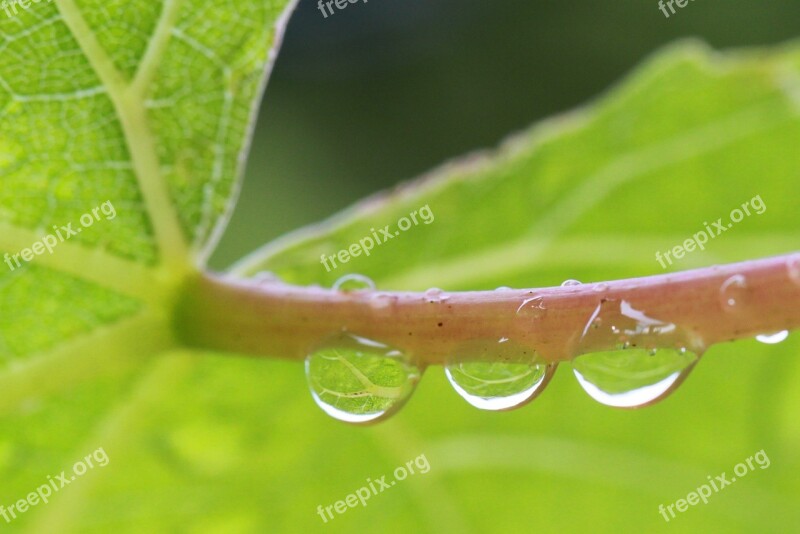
(277, 320)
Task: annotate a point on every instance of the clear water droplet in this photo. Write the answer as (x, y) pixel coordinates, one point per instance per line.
(381, 301)
(358, 380)
(435, 295)
(498, 376)
(532, 308)
(504, 288)
(567, 283)
(793, 265)
(733, 293)
(354, 282)
(627, 359)
(772, 339)
(632, 378)
(602, 287)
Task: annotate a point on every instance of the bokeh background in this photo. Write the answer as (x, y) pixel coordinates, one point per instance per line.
(381, 92)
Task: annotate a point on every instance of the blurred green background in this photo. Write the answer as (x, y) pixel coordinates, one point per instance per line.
(382, 92)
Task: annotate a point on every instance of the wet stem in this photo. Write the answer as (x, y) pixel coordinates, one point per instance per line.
(226, 314)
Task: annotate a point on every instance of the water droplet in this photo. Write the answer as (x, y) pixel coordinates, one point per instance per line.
(354, 282)
(567, 283)
(504, 288)
(498, 376)
(601, 287)
(733, 292)
(358, 380)
(380, 301)
(627, 359)
(532, 308)
(632, 378)
(793, 265)
(434, 295)
(772, 339)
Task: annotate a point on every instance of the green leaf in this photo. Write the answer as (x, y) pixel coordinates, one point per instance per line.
(591, 194)
(148, 105)
(144, 108)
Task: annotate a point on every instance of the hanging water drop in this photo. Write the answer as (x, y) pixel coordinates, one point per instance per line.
(358, 380)
(354, 282)
(532, 308)
(772, 339)
(497, 376)
(435, 295)
(632, 378)
(568, 283)
(733, 293)
(627, 359)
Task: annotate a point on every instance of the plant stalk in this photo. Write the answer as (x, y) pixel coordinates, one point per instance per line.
(245, 316)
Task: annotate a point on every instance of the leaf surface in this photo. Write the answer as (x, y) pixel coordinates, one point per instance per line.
(148, 105)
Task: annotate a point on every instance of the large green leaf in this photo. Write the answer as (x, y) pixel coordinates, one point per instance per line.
(148, 105)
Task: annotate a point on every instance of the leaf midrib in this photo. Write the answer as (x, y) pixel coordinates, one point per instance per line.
(128, 101)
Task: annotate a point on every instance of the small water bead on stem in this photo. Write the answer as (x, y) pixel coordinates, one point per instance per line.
(359, 380)
(435, 295)
(626, 359)
(570, 282)
(382, 301)
(354, 282)
(793, 266)
(733, 293)
(773, 339)
(497, 375)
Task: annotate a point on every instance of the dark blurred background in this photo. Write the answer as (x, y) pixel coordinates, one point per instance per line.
(383, 91)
